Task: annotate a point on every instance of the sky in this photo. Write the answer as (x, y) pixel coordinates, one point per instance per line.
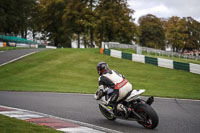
(166, 8)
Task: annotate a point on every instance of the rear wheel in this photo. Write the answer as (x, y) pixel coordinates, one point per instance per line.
(149, 116)
(106, 113)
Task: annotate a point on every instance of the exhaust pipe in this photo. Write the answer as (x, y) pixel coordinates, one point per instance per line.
(150, 100)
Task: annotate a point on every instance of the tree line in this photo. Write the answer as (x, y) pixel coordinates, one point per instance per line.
(179, 33)
(62, 21)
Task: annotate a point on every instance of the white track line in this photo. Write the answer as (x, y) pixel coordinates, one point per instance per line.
(17, 59)
(80, 129)
(91, 128)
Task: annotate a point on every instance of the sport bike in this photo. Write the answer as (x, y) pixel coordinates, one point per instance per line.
(137, 109)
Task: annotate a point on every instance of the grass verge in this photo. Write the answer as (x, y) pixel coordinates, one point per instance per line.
(74, 70)
(12, 125)
(11, 48)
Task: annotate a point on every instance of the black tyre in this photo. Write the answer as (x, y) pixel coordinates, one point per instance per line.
(150, 117)
(106, 113)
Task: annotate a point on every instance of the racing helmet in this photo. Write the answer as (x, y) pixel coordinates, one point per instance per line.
(102, 67)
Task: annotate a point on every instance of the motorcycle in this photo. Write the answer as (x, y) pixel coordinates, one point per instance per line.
(137, 109)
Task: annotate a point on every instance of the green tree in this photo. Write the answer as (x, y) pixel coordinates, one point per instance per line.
(151, 32)
(114, 21)
(25, 8)
(193, 34)
(176, 33)
(74, 17)
(90, 17)
(62, 20)
(9, 18)
(51, 13)
(15, 16)
(35, 20)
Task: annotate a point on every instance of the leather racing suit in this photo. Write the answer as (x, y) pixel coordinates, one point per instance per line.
(118, 83)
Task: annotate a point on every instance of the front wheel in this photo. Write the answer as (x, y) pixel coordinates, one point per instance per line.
(106, 113)
(150, 118)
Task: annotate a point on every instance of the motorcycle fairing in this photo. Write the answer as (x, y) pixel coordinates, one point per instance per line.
(134, 94)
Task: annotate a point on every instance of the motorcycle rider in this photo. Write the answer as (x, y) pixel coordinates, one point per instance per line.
(116, 82)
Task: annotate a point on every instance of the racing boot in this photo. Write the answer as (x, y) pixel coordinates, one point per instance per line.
(112, 101)
(113, 107)
(122, 108)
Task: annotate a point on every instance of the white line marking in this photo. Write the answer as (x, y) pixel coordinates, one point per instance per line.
(11, 112)
(17, 58)
(20, 114)
(80, 129)
(64, 119)
(29, 117)
(23, 116)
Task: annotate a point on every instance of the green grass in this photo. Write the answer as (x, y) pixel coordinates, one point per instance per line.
(12, 125)
(161, 56)
(74, 70)
(10, 48)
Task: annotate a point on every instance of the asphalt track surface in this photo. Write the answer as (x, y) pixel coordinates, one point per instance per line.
(9, 55)
(176, 116)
